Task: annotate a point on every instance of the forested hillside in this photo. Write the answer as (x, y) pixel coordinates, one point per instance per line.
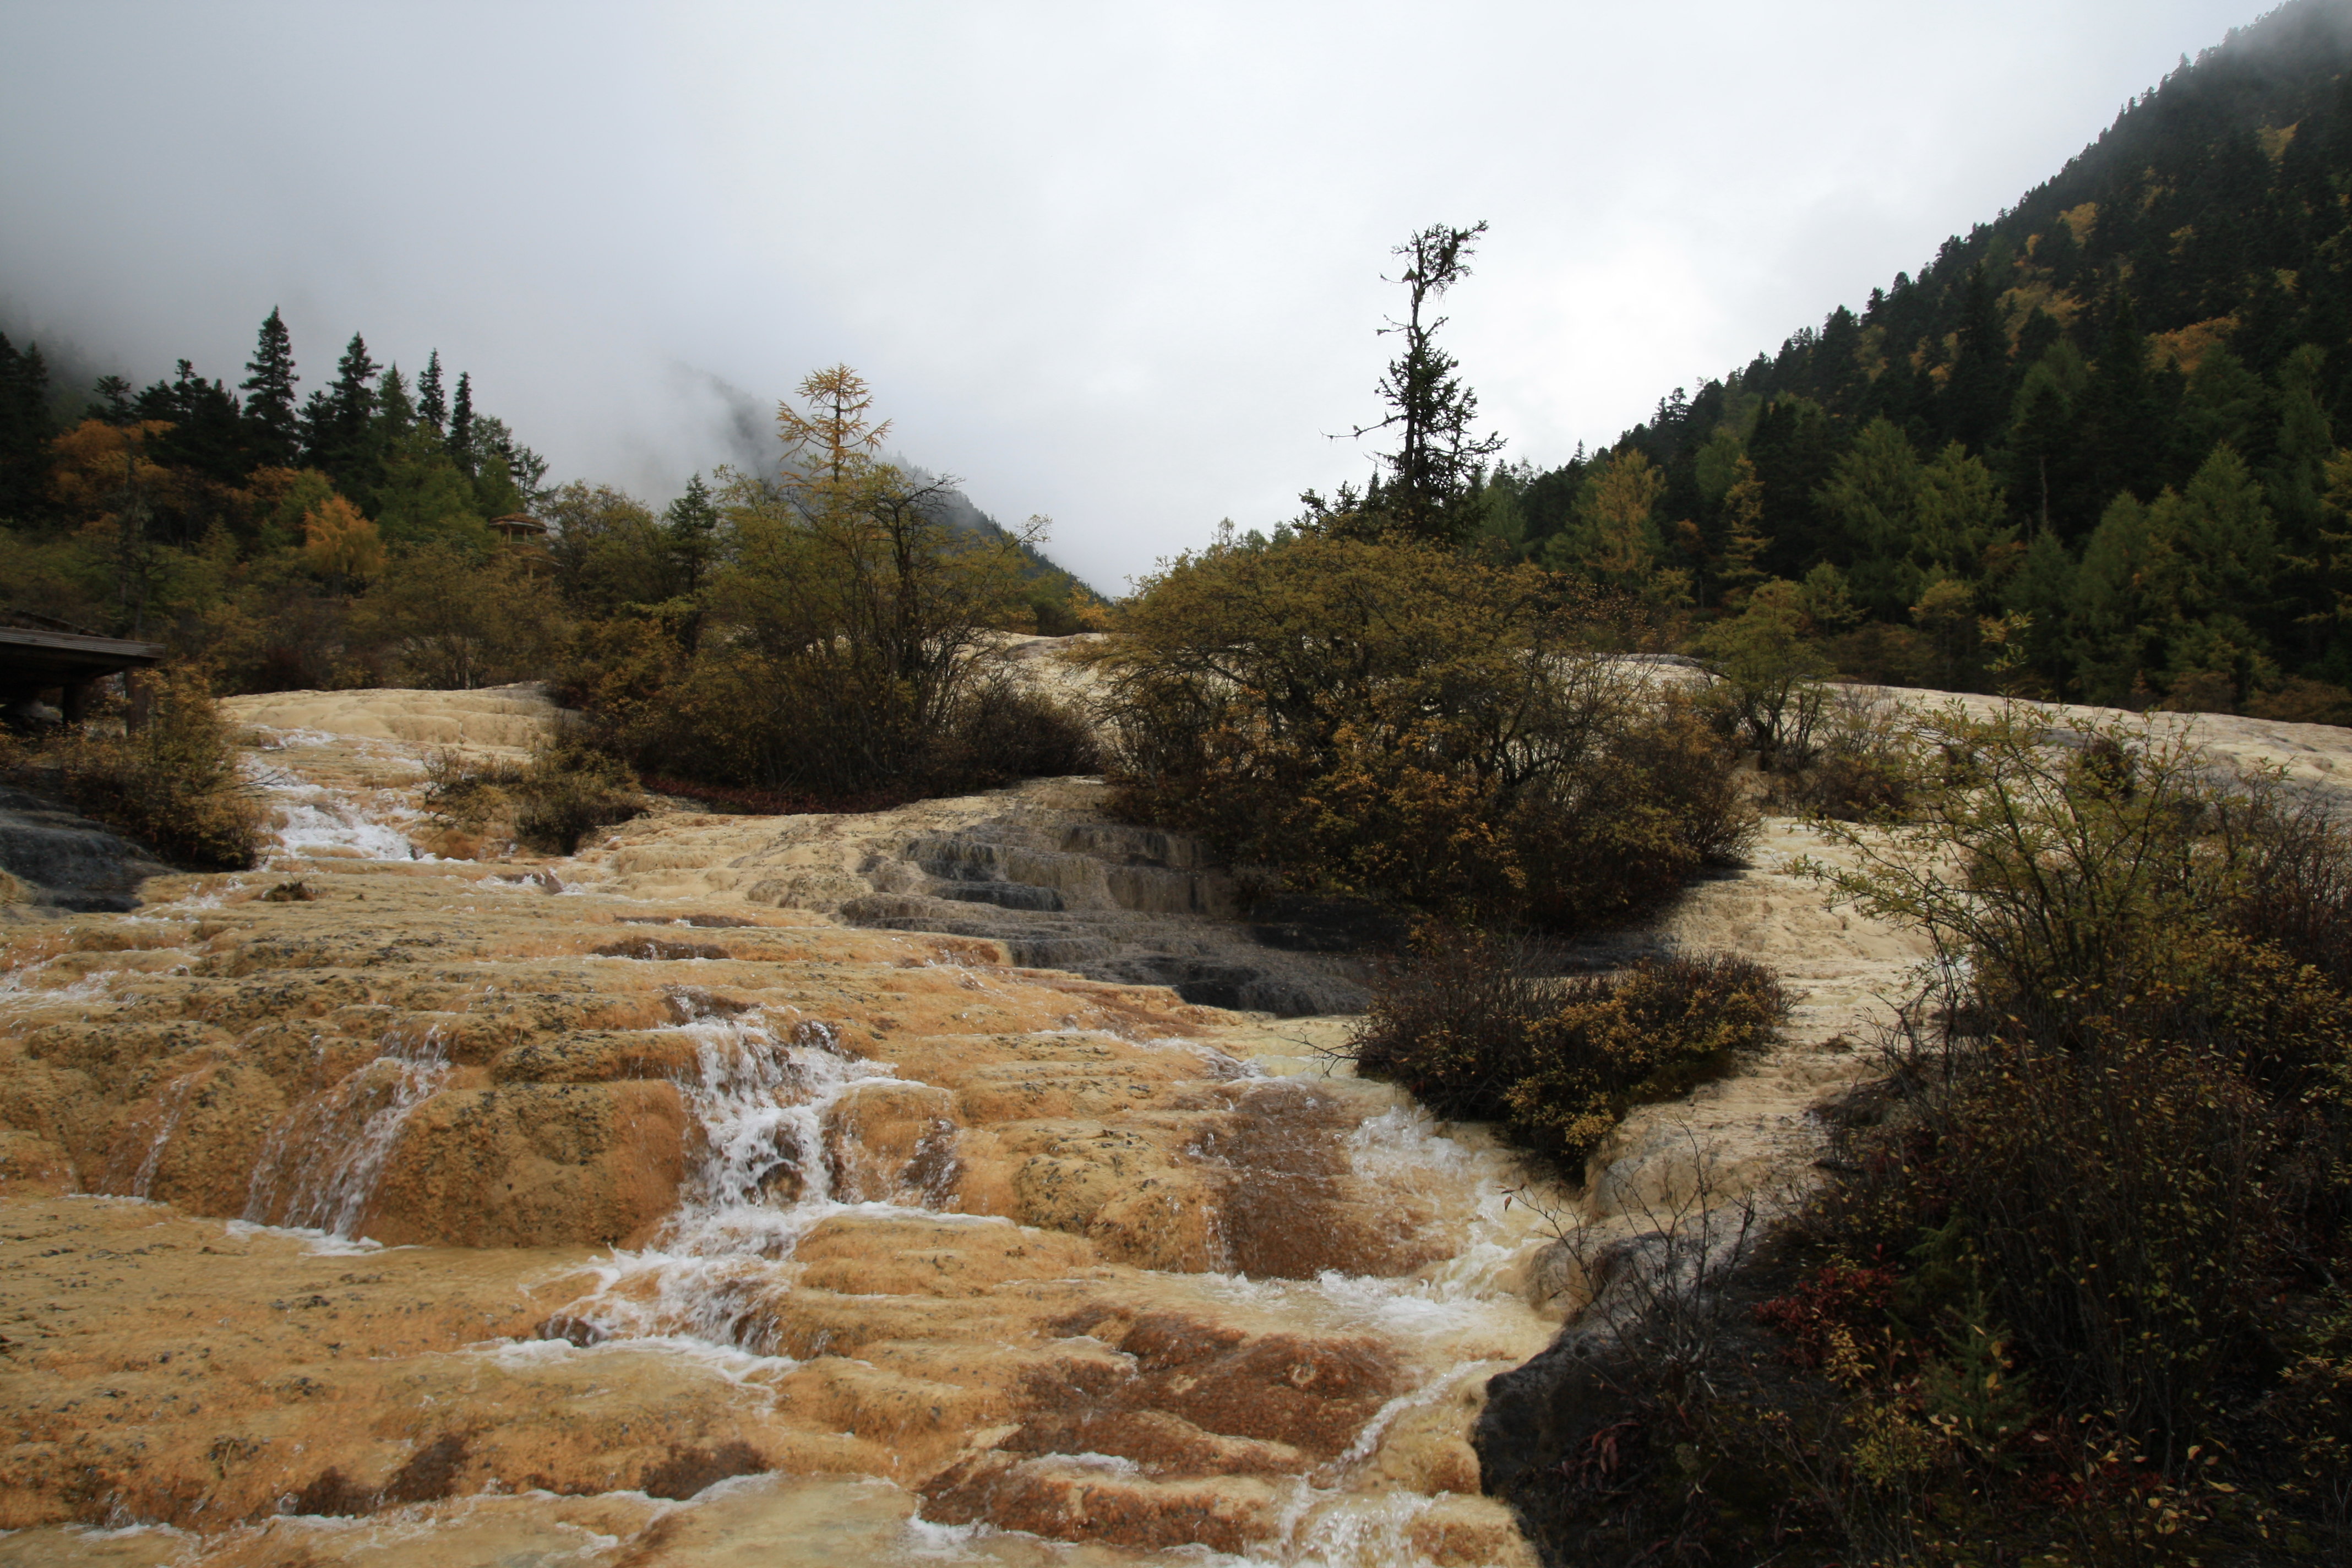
(2092, 448)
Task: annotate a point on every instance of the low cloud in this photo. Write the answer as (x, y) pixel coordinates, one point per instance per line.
(1119, 265)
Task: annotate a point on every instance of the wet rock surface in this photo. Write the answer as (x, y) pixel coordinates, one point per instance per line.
(52, 859)
(1039, 871)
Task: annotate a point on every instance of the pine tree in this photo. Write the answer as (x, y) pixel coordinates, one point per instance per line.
(394, 414)
(1614, 537)
(2110, 619)
(431, 405)
(112, 401)
(2040, 434)
(2120, 427)
(273, 429)
(337, 439)
(691, 522)
(1793, 447)
(1744, 541)
(2296, 477)
(461, 424)
(25, 432)
(208, 432)
(1873, 494)
(1980, 366)
(2042, 591)
(1431, 409)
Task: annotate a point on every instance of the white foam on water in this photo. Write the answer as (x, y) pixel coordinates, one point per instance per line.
(312, 818)
(764, 1183)
(22, 990)
(1480, 1196)
(733, 1365)
(700, 1288)
(175, 1101)
(319, 1243)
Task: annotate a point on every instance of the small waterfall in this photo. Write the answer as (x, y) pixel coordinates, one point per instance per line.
(175, 1102)
(321, 1164)
(764, 1182)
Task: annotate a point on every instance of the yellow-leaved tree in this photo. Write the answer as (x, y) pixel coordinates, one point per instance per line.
(853, 652)
(1612, 537)
(341, 546)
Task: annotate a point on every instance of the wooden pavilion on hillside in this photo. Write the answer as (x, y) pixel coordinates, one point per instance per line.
(524, 538)
(40, 654)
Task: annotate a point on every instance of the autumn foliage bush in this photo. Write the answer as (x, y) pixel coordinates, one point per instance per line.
(2075, 1288)
(1479, 1028)
(169, 780)
(566, 790)
(847, 648)
(1390, 721)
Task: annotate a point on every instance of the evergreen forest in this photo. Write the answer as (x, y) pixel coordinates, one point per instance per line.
(2092, 450)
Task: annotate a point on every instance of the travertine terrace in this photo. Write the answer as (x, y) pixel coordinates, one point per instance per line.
(635, 1208)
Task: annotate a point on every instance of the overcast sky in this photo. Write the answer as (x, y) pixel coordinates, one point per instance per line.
(1116, 263)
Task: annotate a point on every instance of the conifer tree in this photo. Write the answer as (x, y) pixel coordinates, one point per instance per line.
(1438, 456)
(1873, 494)
(2041, 436)
(207, 431)
(112, 403)
(1744, 541)
(2119, 415)
(1980, 366)
(25, 432)
(273, 429)
(394, 414)
(432, 403)
(337, 435)
(461, 424)
(691, 522)
(2297, 477)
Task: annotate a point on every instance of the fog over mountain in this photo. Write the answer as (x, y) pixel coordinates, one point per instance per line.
(1118, 265)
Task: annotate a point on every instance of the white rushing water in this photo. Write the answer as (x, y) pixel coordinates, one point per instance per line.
(766, 1182)
(322, 1160)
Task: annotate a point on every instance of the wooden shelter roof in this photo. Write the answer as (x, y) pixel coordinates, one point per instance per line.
(38, 652)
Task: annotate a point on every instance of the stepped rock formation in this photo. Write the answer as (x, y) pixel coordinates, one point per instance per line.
(736, 1190)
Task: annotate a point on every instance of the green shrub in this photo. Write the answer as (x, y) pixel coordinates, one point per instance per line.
(1475, 1028)
(1770, 690)
(171, 781)
(1394, 721)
